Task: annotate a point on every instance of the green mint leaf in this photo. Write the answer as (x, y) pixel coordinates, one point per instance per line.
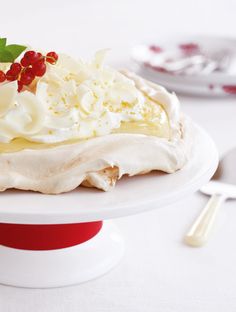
(8, 53)
(3, 42)
(15, 50)
(6, 56)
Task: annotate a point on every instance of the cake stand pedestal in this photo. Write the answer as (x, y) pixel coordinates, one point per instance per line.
(59, 240)
(63, 266)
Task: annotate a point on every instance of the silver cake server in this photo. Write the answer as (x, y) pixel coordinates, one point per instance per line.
(221, 187)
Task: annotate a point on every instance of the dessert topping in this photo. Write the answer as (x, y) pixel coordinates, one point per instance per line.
(2, 76)
(32, 65)
(52, 57)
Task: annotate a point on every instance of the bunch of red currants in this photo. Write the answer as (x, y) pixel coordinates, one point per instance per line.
(33, 64)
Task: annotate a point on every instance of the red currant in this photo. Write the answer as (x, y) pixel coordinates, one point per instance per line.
(39, 56)
(26, 77)
(2, 76)
(20, 86)
(29, 71)
(33, 64)
(39, 68)
(51, 57)
(24, 62)
(11, 75)
(31, 56)
(15, 68)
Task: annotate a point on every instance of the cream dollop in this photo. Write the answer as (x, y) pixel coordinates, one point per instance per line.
(73, 100)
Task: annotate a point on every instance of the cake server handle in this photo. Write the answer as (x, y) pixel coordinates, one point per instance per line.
(199, 232)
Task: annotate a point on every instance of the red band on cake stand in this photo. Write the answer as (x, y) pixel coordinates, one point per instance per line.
(47, 236)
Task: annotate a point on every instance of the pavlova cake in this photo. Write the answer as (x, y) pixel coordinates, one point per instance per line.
(67, 122)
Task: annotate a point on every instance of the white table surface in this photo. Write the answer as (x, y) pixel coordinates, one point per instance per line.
(158, 272)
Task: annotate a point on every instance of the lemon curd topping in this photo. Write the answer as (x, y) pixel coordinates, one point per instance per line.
(154, 122)
(20, 144)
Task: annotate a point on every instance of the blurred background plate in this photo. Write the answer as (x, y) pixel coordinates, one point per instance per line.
(200, 65)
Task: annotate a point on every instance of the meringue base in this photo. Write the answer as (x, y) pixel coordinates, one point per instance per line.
(97, 162)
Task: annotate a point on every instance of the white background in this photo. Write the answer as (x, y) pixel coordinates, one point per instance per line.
(158, 273)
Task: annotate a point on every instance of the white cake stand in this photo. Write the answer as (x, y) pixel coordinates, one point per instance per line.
(97, 255)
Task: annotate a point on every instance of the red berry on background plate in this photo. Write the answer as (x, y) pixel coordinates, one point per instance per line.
(155, 49)
(2, 76)
(51, 57)
(189, 48)
(39, 68)
(11, 76)
(15, 68)
(231, 89)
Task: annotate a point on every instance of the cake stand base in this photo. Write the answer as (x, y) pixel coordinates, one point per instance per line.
(62, 267)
